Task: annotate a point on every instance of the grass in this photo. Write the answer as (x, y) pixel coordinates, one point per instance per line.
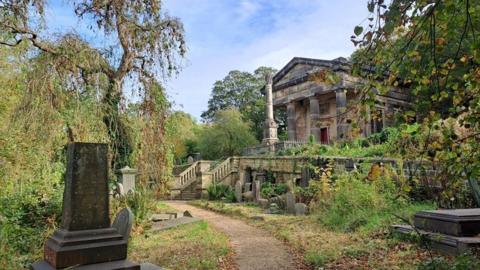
(322, 246)
(191, 246)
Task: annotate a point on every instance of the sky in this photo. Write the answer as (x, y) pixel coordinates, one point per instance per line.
(224, 35)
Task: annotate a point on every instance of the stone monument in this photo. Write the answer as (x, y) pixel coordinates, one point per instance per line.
(126, 176)
(85, 238)
(270, 136)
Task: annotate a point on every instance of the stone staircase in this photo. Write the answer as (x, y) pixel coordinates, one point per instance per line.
(191, 182)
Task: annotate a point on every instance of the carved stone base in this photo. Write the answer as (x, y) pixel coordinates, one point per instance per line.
(116, 265)
(69, 248)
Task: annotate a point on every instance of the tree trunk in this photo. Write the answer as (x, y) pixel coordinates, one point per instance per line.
(120, 142)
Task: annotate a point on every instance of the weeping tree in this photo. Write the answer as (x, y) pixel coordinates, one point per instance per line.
(150, 43)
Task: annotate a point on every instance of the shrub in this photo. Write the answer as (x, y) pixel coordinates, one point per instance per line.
(141, 201)
(220, 191)
(270, 190)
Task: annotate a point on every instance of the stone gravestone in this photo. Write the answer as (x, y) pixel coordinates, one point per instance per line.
(190, 160)
(300, 209)
(256, 190)
(290, 202)
(123, 223)
(238, 191)
(85, 236)
(126, 177)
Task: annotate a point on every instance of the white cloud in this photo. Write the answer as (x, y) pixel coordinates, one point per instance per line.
(229, 34)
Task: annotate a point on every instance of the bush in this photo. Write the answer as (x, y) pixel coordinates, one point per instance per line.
(270, 190)
(220, 192)
(141, 201)
(357, 204)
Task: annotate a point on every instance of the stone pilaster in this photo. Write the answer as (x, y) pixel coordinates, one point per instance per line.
(315, 118)
(270, 136)
(341, 101)
(291, 121)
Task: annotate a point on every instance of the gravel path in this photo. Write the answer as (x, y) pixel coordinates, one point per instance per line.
(254, 248)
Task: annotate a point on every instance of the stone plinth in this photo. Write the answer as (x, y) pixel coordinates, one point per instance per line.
(459, 222)
(85, 236)
(127, 176)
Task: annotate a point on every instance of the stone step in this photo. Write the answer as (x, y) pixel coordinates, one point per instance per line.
(449, 244)
(456, 222)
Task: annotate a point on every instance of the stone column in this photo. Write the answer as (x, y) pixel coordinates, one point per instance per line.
(342, 126)
(291, 121)
(315, 118)
(270, 127)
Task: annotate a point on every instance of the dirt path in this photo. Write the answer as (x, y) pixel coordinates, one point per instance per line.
(254, 248)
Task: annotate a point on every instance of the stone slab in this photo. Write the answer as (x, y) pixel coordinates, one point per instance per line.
(171, 223)
(457, 222)
(115, 265)
(290, 202)
(149, 266)
(448, 244)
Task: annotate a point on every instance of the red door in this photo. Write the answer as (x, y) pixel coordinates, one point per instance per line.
(324, 135)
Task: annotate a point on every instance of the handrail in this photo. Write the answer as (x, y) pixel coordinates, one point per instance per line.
(221, 170)
(186, 177)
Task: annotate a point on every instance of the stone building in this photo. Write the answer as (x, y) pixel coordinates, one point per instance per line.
(319, 95)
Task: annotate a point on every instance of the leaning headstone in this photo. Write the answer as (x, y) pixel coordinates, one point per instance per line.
(85, 236)
(290, 202)
(126, 176)
(123, 223)
(238, 191)
(300, 209)
(187, 214)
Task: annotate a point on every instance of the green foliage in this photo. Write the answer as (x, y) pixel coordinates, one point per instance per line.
(356, 204)
(270, 190)
(221, 192)
(142, 202)
(227, 136)
(242, 91)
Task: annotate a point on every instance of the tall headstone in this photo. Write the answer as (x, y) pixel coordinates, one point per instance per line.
(126, 177)
(85, 236)
(270, 136)
(238, 191)
(290, 202)
(256, 190)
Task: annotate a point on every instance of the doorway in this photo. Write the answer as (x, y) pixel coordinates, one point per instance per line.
(324, 135)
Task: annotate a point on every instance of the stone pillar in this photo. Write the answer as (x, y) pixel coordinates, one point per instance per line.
(126, 176)
(342, 126)
(270, 127)
(291, 121)
(315, 119)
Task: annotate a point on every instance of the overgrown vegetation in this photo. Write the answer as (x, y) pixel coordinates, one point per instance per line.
(222, 192)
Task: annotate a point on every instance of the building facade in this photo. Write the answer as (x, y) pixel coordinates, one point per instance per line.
(320, 97)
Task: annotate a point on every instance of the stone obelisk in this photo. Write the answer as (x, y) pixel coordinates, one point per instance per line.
(270, 127)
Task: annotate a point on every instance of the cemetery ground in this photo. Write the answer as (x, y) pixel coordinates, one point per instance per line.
(370, 247)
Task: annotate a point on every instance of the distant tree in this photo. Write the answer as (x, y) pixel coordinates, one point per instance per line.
(227, 135)
(242, 90)
(183, 134)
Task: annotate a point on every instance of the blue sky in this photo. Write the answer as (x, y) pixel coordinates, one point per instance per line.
(223, 35)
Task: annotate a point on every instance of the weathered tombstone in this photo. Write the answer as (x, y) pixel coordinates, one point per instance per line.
(263, 203)
(247, 187)
(190, 160)
(123, 223)
(238, 191)
(126, 176)
(290, 202)
(300, 209)
(85, 236)
(248, 196)
(256, 190)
